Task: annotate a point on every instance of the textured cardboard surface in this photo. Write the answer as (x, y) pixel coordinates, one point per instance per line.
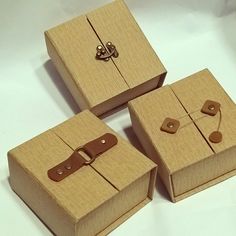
(137, 61)
(187, 160)
(95, 83)
(120, 179)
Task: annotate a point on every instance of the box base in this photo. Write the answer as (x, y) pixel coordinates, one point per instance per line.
(128, 95)
(205, 186)
(109, 228)
(123, 218)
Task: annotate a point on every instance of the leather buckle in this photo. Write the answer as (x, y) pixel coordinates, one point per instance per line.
(76, 160)
(92, 158)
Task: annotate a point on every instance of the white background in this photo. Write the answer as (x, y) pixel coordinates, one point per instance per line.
(188, 36)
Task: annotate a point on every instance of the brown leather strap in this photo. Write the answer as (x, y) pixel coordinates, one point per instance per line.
(67, 167)
(76, 160)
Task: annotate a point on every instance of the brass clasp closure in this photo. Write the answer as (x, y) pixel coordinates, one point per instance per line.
(105, 53)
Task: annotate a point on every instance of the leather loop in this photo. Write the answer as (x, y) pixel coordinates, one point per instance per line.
(77, 161)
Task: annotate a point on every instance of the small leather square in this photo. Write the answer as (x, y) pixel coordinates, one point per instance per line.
(170, 125)
(210, 108)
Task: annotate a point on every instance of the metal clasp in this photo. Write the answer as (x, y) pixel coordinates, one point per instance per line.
(105, 53)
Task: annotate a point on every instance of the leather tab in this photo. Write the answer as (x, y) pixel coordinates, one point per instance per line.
(100, 145)
(67, 167)
(77, 161)
(170, 125)
(216, 137)
(210, 108)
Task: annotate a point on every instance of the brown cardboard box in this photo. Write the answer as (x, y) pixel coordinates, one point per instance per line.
(93, 200)
(188, 161)
(103, 85)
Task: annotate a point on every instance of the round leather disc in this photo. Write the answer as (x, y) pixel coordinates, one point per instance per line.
(215, 137)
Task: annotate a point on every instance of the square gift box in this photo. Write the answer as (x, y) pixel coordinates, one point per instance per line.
(188, 128)
(80, 177)
(104, 58)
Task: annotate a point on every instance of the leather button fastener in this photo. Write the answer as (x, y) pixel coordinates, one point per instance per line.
(170, 125)
(210, 108)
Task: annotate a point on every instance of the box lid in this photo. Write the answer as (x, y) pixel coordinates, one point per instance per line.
(193, 91)
(190, 143)
(75, 42)
(90, 186)
(137, 61)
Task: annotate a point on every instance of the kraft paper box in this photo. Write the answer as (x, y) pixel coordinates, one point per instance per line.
(197, 149)
(118, 76)
(93, 199)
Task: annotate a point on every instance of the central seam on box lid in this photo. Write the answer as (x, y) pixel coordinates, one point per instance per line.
(104, 47)
(207, 142)
(58, 176)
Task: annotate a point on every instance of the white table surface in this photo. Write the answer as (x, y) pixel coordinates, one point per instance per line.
(188, 36)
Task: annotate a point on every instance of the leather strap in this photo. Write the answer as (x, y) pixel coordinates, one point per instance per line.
(76, 160)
